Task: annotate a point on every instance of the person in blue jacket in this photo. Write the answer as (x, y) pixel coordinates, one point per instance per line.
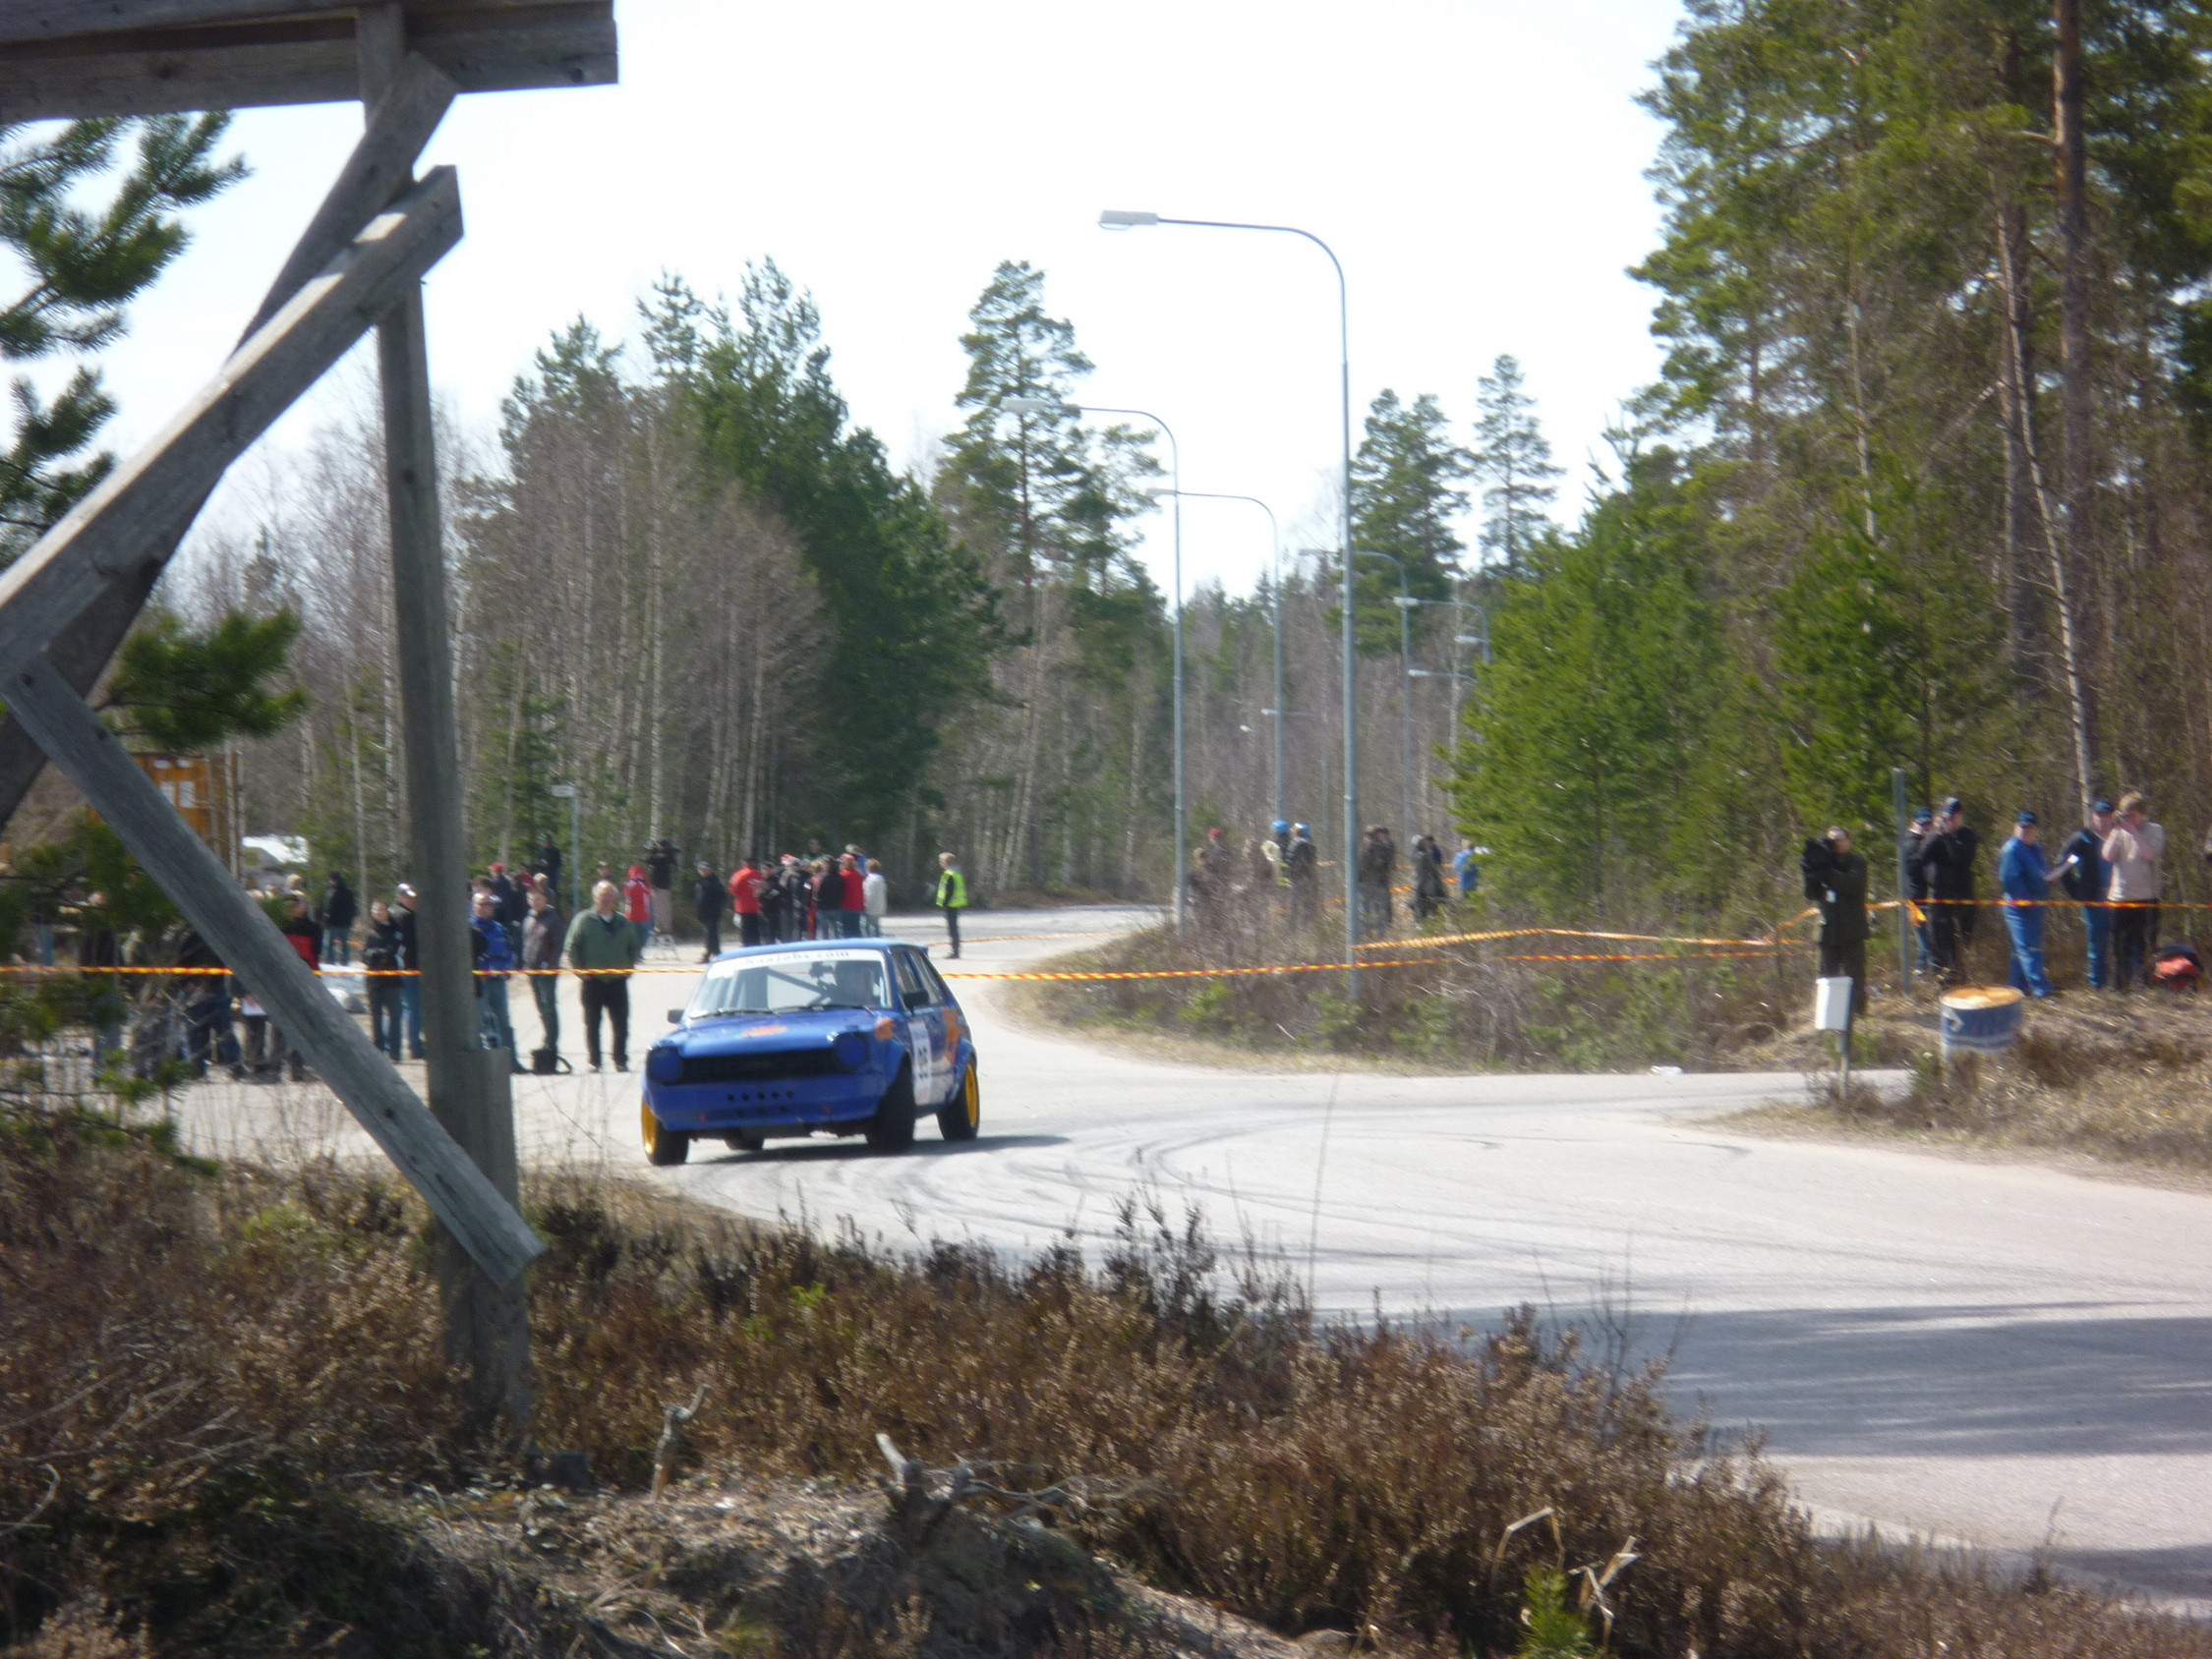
(2025, 880)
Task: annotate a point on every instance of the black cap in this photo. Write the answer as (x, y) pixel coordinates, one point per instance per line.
(1954, 804)
(2101, 805)
(2026, 819)
(1924, 816)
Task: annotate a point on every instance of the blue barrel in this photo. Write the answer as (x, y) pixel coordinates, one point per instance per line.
(1981, 1019)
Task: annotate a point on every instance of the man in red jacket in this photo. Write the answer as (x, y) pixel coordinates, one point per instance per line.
(856, 879)
(744, 898)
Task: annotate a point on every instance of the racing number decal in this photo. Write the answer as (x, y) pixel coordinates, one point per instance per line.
(924, 1057)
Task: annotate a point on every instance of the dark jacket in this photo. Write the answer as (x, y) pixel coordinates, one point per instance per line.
(1916, 874)
(339, 906)
(1302, 859)
(509, 901)
(709, 897)
(381, 950)
(1948, 863)
(2091, 879)
(547, 860)
(545, 935)
(1378, 860)
(403, 921)
(660, 864)
(1843, 901)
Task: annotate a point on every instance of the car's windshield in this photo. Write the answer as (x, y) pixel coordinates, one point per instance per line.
(776, 984)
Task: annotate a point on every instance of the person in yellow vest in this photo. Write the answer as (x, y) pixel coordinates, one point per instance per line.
(952, 896)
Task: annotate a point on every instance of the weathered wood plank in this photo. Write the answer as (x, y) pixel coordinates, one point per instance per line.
(112, 532)
(292, 60)
(460, 1194)
(51, 20)
(380, 166)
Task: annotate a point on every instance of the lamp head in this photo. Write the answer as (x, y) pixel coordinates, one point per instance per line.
(1034, 406)
(1404, 602)
(1119, 218)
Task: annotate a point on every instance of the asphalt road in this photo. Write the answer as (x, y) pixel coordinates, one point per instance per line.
(1996, 1354)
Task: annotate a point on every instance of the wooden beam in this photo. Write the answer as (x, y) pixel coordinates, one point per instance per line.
(54, 20)
(460, 1194)
(302, 59)
(124, 523)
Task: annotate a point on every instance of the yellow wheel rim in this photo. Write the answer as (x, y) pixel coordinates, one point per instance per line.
(652, 1127)
(974, 1100)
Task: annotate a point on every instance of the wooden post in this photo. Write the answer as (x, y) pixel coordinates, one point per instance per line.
(486, 1328)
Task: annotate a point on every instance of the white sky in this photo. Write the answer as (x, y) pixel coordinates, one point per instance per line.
(1478, 166)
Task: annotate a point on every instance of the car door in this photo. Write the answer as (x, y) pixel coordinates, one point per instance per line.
(925, 1027)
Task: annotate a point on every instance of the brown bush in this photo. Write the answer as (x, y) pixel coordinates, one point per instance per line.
(196, 1369)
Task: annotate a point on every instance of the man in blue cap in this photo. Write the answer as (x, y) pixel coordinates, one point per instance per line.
(2088, 879)
(2026, 882)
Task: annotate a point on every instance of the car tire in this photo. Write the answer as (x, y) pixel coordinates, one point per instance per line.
(744, 1142)
(663, 1146)
(892, 1128)
(958, 1118)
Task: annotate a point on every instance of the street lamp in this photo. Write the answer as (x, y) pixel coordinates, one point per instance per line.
(575, 799)
(1052, 406)
(1126, 219)
(1275, 543)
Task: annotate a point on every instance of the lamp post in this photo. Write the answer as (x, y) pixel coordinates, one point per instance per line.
(1124, 220)
(1275, 581)
(1026, 406)
(575, 836)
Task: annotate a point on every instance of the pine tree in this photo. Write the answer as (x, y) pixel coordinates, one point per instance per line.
(84, 266)
(1512, 456)
(1048, 501)
(1402, 504)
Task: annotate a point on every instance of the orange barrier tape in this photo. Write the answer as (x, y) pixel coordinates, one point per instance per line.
(1762, 954)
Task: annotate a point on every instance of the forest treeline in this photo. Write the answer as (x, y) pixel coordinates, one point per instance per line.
(1919, 488)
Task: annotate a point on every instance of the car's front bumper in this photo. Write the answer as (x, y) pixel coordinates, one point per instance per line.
(768, 1106)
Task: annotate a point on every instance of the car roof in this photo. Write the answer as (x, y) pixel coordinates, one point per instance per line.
(815, 946)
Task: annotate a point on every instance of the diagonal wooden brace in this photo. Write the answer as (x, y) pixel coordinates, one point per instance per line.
(498, 1239)
(113, 530)
(380, 166)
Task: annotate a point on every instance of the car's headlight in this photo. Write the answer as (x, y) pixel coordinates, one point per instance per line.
(851, 1049)
(666, 1064)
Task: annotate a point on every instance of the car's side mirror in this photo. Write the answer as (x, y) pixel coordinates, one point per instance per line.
(676, 1016)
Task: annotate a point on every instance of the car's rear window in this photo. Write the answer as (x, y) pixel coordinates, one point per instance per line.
(787, 984)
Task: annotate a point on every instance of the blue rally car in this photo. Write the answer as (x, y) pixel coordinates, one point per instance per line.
(843, 1037)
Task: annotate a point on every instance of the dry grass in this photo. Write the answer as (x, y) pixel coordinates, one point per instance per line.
(213, 1387)
(1463, 1008)
(2123, 1079)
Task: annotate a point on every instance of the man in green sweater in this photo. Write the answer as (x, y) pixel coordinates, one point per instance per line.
(603, 949)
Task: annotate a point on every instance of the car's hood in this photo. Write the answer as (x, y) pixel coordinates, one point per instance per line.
(736, 1034)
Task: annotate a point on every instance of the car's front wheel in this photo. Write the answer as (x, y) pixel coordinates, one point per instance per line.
(662, 1145)
(958, 1118)
(892, 1128)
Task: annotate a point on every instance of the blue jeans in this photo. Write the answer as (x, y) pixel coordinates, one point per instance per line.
(2025, 924)
(386, 1000)
(491, 1016)
(337, 950)
(411, 1007)
(2097, 918)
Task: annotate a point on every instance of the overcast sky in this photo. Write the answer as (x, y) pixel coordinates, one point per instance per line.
(1478, 166)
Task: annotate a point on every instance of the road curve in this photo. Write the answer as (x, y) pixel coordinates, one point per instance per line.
(1994, 1352)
